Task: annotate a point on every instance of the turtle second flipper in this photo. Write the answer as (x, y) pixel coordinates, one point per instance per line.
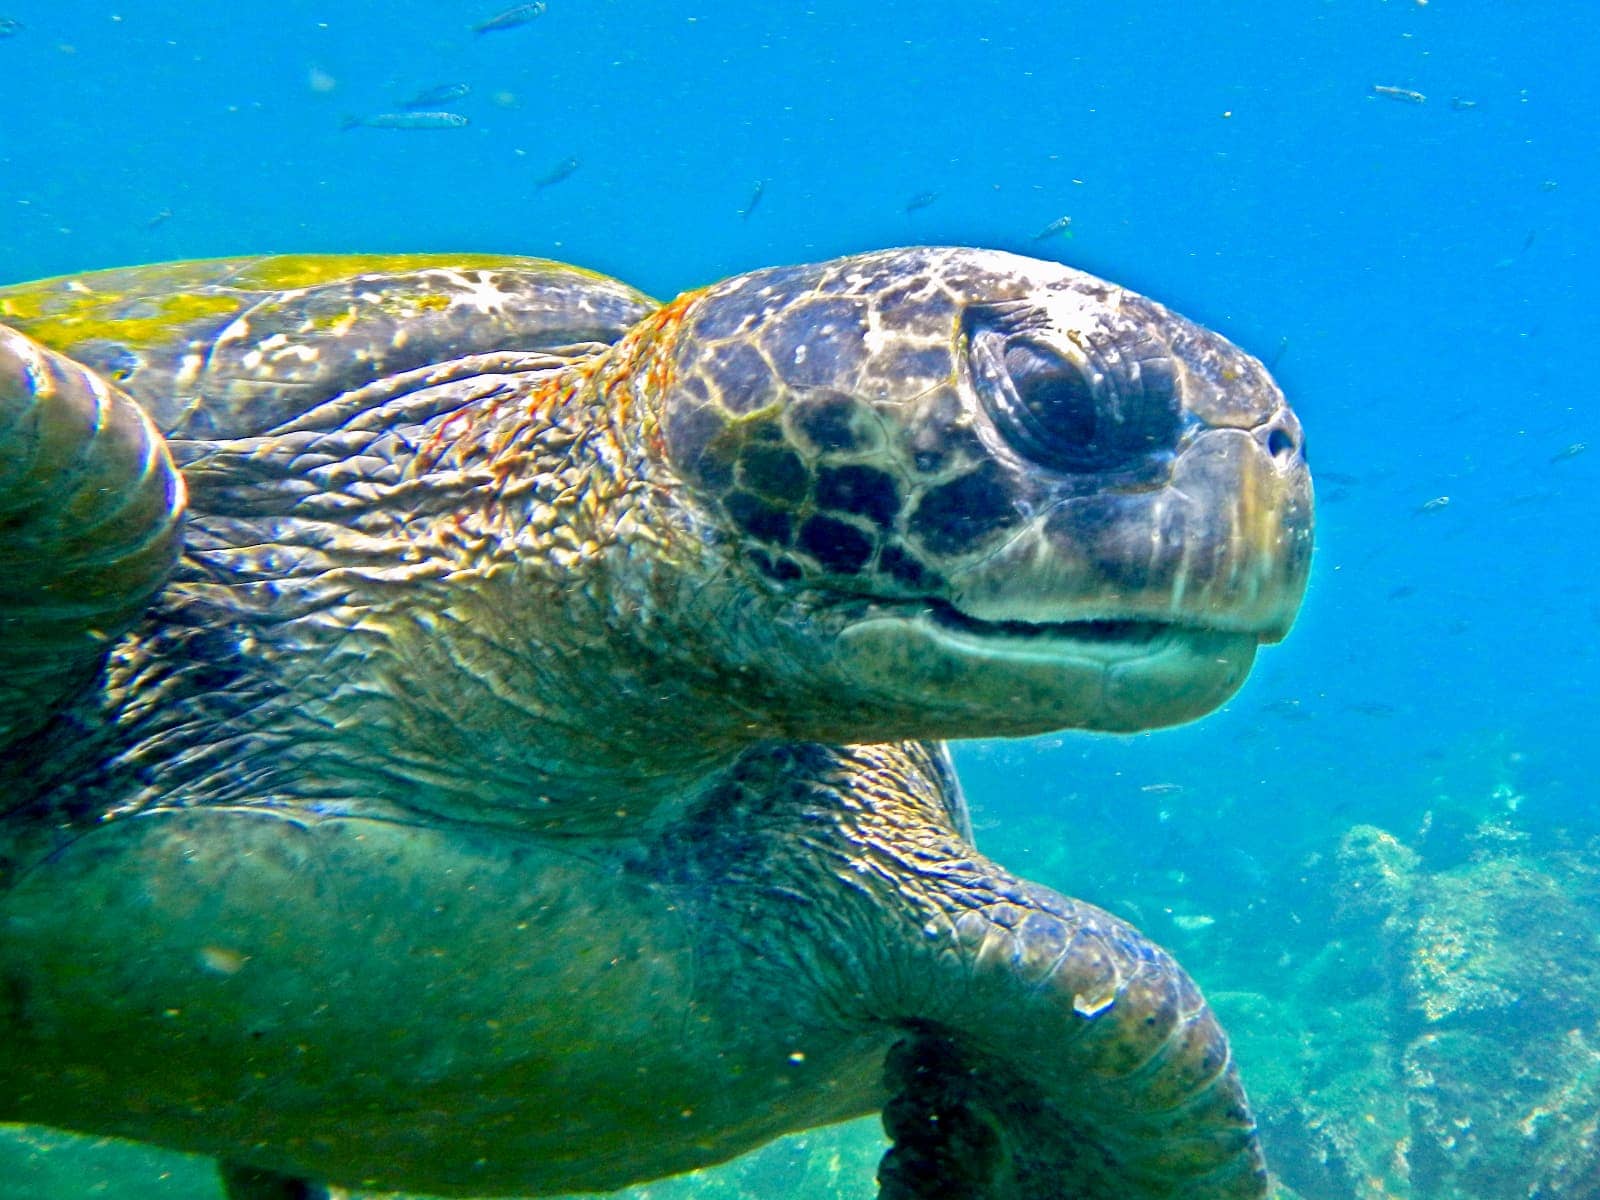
(90, 515)
(1080, 1062)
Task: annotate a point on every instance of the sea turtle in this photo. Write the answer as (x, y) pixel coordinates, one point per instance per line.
(466, 723)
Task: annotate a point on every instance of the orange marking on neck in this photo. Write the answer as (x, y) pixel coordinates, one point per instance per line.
(648, 346)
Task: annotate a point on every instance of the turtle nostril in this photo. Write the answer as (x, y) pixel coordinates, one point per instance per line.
(1281, 443)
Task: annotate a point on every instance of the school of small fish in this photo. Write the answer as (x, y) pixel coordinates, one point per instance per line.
(429, 108)
(424, 111)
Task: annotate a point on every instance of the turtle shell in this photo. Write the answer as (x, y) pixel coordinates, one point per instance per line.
(232, 347)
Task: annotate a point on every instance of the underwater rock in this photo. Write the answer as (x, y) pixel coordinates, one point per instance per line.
(1376, 874)
(1501, 933)
(1444, 1044)
(1496, 1116)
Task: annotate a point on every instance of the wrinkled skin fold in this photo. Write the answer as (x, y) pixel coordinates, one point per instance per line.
(466, 726)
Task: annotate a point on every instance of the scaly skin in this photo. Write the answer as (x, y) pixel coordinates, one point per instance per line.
(507, 792)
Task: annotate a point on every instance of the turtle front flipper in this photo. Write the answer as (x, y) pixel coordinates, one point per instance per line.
(90, 514)
(1061, 1054)
(1036, 1047)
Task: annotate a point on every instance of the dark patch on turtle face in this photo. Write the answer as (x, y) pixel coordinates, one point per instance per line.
(865, 491)
(956, 516)
(743, 378)
(819, 342)
(750, 441)
(942, 439)
(733, 314)
(1098, 529)
(715, 467)
(696, 388)
(690, 431)
(911, 289)
(856, 281)
(828, 420)
(934, 450)
(840, 548)
(767, 430)
(904, 568)
(929, 363)
(780, 568)
(776, 472)
(758, 518)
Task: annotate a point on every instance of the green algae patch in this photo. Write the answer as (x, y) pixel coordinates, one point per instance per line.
(285, 271)
(151, 279)
(64, 318)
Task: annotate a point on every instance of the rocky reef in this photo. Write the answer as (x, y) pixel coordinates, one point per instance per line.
(1445, 1041)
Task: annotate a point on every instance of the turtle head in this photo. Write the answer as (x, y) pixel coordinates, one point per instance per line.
(990, 495)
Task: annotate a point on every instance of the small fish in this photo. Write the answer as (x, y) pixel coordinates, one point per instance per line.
(435, 96)
(1288, 708)
(1372, 708)
(1162, 789)
(1566, 452)
(1398, 93)
(10, 27)
(1061, 225)
(921, 200)
(160, 219)
(1434, 505)
(511, 18)
(562, 170)
(408, 120)
(755, 198)
(1461, 104)
(1402, 592)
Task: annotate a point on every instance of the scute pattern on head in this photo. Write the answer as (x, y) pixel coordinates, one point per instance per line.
(778, 376)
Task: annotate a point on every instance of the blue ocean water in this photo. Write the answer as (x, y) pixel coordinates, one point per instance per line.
(1390, 201)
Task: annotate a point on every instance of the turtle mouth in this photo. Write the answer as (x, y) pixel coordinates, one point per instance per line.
(1012, 676)
(1095, 631)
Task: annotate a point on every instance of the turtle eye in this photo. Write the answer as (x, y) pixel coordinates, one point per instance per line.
(1054, 413)
(1077, 410)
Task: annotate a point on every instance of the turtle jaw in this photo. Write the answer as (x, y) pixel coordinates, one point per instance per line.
(968, 678)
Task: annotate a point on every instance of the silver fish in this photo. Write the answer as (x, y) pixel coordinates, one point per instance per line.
(755, 198)
(562, 169)
(511, 18)
(1398, 93)
(1572, 451)
(10, 27)
(435, 96)
(1061, 225)
(408, 120)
